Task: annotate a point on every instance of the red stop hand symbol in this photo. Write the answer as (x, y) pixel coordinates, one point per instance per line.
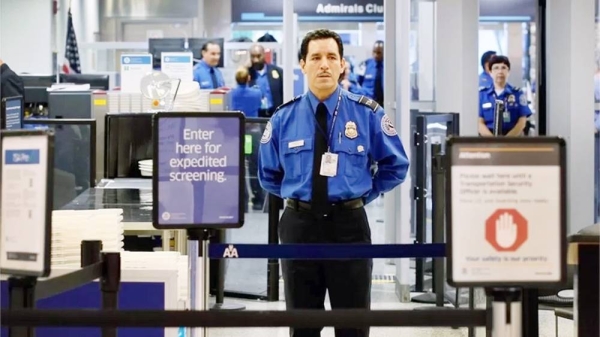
(506, 230)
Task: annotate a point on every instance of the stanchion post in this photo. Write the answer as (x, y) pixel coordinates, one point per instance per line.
(506, 312)
(109, 285)
(438, 218)
(198, 289)
(273, 264)
(21, 295)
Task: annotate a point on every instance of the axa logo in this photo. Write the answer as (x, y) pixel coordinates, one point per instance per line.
(230, 252)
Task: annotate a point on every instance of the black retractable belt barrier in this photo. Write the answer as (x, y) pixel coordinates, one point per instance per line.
(273, 264)
(343, 318)
(24, 292)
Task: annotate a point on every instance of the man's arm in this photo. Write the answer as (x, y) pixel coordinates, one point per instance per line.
(483, 129)
(12, 84)
(387, 150)
(270, 172)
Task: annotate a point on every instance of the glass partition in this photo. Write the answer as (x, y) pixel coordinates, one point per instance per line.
(74, 156)
(248, 277)
(128, 139)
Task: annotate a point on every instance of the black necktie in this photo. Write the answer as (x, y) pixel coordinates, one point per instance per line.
(213, 77)
(378, 92)
(320, 196)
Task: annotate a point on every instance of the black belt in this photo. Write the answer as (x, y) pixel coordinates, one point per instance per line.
(305, 206)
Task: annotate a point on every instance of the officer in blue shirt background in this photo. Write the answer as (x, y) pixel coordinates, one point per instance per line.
(316, 153)
(349, 82)
(206, 72)
(268, 78)
(485, 79)
(516, 108)
(370, 74)
(248, 100)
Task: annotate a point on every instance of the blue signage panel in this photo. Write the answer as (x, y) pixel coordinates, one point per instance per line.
(198, 170)
(363, 10)
(14, 113)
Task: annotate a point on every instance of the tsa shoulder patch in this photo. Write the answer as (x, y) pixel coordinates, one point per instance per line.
(523, 99)
(368, 102)
(387, 126)
(266, 136)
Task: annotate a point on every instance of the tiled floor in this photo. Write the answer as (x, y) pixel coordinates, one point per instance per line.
(250, 276)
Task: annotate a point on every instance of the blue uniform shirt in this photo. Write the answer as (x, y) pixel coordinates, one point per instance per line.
(355, 87)
(515, 102)
(263, 84)
(246, 99)
(362, 133)
(485, 80)
(366, 74)
(202, 75)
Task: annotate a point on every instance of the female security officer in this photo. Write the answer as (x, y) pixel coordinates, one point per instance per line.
(516, 109)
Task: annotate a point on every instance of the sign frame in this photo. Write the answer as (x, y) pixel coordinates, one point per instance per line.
(241, 174)
(4, 106)
(47, 227)
(556, 141)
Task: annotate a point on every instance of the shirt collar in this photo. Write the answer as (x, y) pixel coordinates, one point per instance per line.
(330, 102)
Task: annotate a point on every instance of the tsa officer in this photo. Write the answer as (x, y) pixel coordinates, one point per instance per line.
(268, 78)
(248, 100)
(485, 79)
(370, 74)
(349, 82)
(206, 72)
(316, 153)
(10, 83)
(516, 108)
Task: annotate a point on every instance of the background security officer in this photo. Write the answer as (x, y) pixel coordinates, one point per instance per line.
(370, 74)
(268, 78)
(10, 83)
(315, 152)
(485, 79)
(206, 72)
(248, 100)
(516, 109)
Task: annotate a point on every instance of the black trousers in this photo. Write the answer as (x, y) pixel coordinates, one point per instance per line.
(306, 281)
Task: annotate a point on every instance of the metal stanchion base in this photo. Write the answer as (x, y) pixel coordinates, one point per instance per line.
(227, 307)
(449, 297)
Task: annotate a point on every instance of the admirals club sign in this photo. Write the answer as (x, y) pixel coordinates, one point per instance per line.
(370, 8)
(308, 10)
(364, 10)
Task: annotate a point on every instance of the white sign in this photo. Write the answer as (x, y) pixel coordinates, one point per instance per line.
(133, 68)
(23, 204)
(506, 217)
(178, 65)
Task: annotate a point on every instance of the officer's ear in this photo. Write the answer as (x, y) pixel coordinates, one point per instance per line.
(343, 64)
(302, 64)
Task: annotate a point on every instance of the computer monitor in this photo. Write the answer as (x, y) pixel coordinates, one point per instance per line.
(11, 117)
(36, 87)
(157, 46)
(195, 46)
(96, 81)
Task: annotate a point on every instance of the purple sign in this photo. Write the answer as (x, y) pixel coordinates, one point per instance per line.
(198, 170)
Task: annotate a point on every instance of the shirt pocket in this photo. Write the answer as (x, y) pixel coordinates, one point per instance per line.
(353, 160)
(297, 157)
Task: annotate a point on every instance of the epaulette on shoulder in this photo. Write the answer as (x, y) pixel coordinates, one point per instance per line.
(517, 89)
(365, 101)
(482, 88)
(288, 102)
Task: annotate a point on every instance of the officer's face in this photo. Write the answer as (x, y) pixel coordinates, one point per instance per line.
(212, 55)
(500, 73)
(257, 57)
(323, 64)
(378, 53)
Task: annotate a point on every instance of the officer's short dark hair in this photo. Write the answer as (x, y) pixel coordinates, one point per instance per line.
(485, 58)
(320, 34)
(378, 42)
(205, 45)
(499, 59)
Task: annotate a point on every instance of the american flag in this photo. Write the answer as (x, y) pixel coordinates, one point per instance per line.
(71, 63)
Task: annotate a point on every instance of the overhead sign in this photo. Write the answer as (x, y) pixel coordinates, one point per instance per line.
(178, 65)
(26, 202)
(198, 170)
(506, 211)
(133, 68)
(361, 10)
